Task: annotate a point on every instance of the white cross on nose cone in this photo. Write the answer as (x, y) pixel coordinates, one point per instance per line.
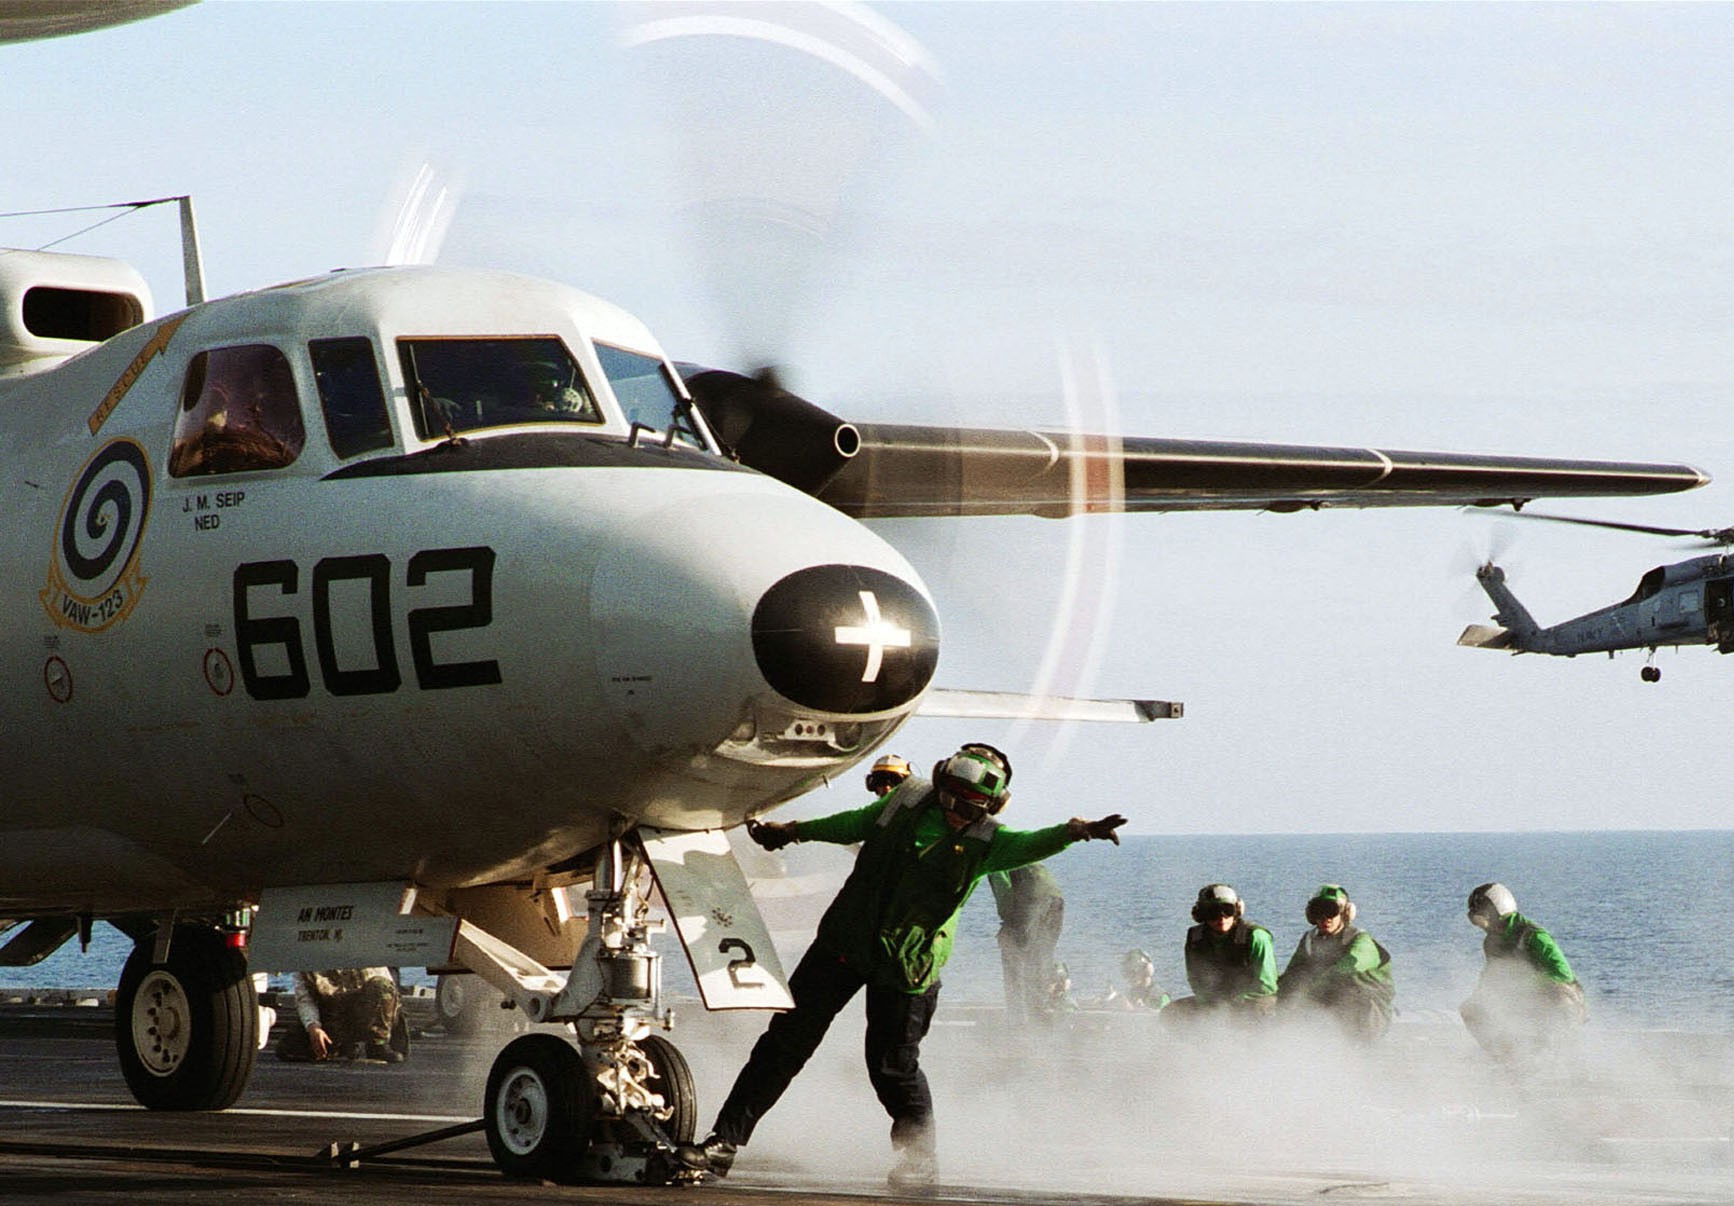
(877, 634)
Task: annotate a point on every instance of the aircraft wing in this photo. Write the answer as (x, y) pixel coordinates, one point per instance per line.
(28, 20)
(885, 470)
(913, 471)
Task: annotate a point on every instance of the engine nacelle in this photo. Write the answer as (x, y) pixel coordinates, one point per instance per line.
(53, 306)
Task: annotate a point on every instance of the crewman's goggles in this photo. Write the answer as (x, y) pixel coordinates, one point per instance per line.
(1215, 911)
(1322, 909)
(965, 802)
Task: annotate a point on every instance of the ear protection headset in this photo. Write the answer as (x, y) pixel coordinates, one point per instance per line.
(1330, 901)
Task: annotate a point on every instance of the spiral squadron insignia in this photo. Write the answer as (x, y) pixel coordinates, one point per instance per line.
(93, 579)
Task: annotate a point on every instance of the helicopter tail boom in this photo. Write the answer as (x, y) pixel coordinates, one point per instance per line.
(1518, 628)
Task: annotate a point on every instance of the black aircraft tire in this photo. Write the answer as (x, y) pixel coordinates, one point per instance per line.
(466, 1005)
(537, 1111)
(187, 1032)
(672, 1078)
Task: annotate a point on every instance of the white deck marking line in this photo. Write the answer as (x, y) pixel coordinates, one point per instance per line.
(352, 1115)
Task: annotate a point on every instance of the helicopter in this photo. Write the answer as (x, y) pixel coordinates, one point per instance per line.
(1689, 602)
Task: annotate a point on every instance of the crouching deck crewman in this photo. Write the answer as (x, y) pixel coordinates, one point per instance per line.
(1230, 961)
(1527, 1002)
(924, 847)
(1339, 970)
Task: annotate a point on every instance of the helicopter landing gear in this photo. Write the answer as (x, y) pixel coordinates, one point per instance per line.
(1651, 673)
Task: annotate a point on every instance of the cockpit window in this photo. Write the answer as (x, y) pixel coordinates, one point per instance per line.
(1649, 584)
(349, 392)
(465, 384)
(238, 411)
(640, 383)
(647, 395)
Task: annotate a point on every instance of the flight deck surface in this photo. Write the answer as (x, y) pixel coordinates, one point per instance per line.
(1018, 1126)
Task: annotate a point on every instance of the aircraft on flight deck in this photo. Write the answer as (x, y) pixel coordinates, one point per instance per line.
(357, 618)
(1690, 602)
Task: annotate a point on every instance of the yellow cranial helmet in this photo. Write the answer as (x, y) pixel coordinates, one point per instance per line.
(887, 772)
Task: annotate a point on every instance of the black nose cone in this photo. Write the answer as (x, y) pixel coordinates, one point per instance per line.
(846, 638)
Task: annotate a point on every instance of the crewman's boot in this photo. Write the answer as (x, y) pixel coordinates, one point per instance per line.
(917, 1169)
(917, 1165)
(715, 1156)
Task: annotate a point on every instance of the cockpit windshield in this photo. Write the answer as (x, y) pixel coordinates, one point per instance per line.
(648, 396)
(1649, 584)
(464, 384)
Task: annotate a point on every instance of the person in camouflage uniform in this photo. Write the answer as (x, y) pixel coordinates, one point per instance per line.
(346, 1013)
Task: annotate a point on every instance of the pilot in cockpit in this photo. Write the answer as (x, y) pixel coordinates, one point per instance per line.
(553, 393)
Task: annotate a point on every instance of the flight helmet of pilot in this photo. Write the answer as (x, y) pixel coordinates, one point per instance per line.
(1488, 903)
(1331, 900)
(974, 782)
(888, 772)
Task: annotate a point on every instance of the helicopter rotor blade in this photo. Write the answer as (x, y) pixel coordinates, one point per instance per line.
(1713, 537)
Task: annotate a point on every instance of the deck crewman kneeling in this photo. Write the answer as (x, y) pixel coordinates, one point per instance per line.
(924, 847)
(1527, 1002)
(1230, 962)
(1338, 970)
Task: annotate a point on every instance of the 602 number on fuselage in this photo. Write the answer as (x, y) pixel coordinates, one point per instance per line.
(254, 633)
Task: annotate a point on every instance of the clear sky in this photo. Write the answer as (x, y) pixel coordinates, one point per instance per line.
(1481, 227)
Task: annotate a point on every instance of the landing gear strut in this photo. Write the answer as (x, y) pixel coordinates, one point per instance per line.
(1651, 673)
(616, 1107)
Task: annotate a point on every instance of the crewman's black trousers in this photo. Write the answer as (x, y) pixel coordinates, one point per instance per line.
(896, 1024)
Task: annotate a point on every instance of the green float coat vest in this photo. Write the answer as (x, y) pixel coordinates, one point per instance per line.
(894, 919)
(1516, 937)
(1320, 965)
(1219, 967)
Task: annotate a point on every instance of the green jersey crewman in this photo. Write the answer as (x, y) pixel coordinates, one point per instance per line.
(1339, 969)
(1527, 1001)
(1230, 962)
(924, 847)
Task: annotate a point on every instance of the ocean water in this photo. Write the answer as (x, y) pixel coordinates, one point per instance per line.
(1646, 918)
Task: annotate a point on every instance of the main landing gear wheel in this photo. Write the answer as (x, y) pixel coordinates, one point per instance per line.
(538, 1110)
(466, 1006)
(1651, 674)
(187, 1031)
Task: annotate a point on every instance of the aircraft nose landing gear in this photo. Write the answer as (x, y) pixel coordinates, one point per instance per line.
(538, 1116)
(1651, 674)
(616, 1106)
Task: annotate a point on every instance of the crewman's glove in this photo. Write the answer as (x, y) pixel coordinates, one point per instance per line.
(1080, 830)
(772, 835)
